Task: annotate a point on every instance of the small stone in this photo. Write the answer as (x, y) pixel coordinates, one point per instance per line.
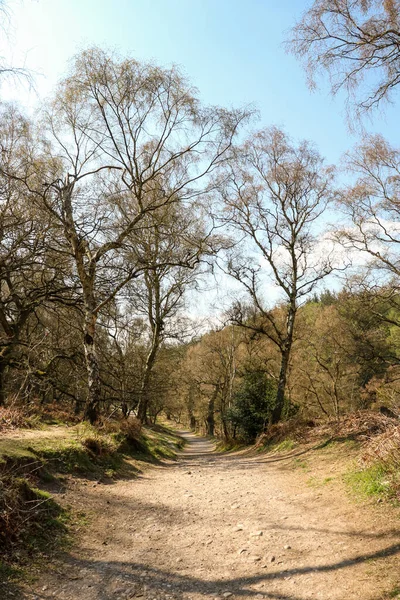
(272, 559)
(254, 558)
(239, 527)
(227, 594)
(179, 560)
(257, 534)
(235, 505)
(242, 550)
(287, 547)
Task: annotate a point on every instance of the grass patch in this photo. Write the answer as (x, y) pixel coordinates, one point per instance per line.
(89, 451)
(315, 482)
(275, 447)
(284, 446)
(229, 446)
(350, 443)
(300, 463)
(378, 472)
(161, 442)
(8, 572)
(371, 481)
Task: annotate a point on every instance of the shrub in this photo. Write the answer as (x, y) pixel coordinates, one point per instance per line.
(131, 429)
(14, 418)
(97, 446)
(252, 405)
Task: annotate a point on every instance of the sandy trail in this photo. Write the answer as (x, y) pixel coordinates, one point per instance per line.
(221, 526)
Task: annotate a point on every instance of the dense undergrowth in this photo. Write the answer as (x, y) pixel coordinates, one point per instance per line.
(31, 522)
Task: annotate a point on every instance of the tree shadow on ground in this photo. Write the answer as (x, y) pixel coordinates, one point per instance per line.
(391, 533)
(100, 577)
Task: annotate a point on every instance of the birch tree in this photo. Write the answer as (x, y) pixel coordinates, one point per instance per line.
(273, 196)
(357, 43)
(173, 244)
(126, 139)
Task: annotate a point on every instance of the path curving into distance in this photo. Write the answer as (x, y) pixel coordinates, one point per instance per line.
(225, 526)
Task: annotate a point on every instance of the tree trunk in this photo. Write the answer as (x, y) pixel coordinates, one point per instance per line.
(225, 428)
(91, 412)
(285, 357)
(210, 419)
(280, 394)
(190, 405)
(144, 397)
(3, 366)
(144, 390)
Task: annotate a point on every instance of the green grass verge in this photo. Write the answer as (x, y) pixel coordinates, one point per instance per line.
(372, 481)
(86, 451)
(229, 446)
(282, 446)
(160, 442)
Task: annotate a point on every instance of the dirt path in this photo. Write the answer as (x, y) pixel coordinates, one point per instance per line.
(225, 526)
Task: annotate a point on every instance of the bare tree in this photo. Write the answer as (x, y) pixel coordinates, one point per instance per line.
(34, 272)
(126, 140)
(373, 204)
(8, 71)
(274, 195)
(172, 244)
(357, 42)
(210, 365)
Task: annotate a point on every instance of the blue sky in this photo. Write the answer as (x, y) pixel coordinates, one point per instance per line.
(232, 51)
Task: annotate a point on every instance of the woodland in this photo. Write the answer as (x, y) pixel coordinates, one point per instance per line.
(123, 196)
(200, 331)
